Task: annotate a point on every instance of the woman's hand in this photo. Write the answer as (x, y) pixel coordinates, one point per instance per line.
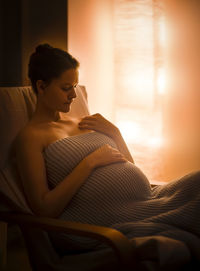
(98, 123)
(103, 156)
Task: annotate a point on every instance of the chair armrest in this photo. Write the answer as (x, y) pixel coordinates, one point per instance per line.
(113, 238)
(3, 245)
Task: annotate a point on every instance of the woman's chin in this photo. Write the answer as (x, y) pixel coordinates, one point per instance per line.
(66, 108)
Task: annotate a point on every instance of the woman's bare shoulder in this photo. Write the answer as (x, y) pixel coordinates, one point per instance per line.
(29, 136)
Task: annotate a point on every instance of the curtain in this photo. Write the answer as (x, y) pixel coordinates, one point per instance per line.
(157, 83)
(183, 109)
(139, 72)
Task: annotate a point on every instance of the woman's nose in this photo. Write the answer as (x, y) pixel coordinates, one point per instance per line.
(73, 93)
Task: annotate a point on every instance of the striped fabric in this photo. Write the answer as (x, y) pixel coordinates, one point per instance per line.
(120, 196)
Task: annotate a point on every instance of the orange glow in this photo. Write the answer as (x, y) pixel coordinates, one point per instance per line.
(161, 81)
(130, 130)
(162, 31)
(156, 142)
(118, 67)
(139, 81)
(138, 133)
(162, 76)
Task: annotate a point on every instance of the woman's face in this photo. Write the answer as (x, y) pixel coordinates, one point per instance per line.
(60, 92)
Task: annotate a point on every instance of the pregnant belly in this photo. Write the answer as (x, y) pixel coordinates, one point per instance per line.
(113, 184)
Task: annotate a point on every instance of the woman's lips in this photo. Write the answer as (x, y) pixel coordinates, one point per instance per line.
(69, 102)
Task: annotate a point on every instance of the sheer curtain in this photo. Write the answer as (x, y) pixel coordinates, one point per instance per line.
(157, 84)
(140, 80)
(140, 64)
(183, 110)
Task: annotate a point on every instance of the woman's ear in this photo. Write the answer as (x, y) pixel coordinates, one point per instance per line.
(40, 86)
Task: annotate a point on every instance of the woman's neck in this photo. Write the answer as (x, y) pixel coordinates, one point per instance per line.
(45, 114)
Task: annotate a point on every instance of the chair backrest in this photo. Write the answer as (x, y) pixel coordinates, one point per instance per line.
(17, 105)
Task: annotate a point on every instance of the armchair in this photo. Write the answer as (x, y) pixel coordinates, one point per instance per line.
(16, 107)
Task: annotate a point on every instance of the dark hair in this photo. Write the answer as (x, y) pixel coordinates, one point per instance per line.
(47, 63)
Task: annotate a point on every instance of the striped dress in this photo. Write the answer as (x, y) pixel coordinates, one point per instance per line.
(120, 196)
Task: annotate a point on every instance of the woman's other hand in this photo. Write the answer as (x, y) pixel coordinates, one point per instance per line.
(98, 123)
(103, 156)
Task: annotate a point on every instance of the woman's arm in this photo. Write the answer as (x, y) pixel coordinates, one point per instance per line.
(50, 203)
(98, 123)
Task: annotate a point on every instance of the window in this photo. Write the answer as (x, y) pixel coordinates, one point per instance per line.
(140, 79)
(122, 47)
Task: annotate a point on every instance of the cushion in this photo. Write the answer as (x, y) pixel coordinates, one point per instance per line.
(11, 188)
(17, 105)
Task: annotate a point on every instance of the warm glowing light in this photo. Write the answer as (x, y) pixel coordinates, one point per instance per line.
(155, 142)
(138, 86)
(161, 75)
(138, 133)
(162, 31)
(140, 78)
(161, 81)
(130, 130)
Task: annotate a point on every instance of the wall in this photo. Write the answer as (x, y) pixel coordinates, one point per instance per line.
(90, 40)
(24, 24)
(42, 22)
(10, 42)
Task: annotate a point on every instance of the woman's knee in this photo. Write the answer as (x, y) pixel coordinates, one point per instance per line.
(193, 176)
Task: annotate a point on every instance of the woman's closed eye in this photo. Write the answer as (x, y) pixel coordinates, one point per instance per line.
(69, 88)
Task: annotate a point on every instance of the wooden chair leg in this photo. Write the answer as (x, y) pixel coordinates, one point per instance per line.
(3, 245)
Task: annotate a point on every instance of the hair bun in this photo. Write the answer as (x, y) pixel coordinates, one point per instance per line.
(43, 48)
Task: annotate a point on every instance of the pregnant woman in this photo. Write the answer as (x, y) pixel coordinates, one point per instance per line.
(81, 169)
